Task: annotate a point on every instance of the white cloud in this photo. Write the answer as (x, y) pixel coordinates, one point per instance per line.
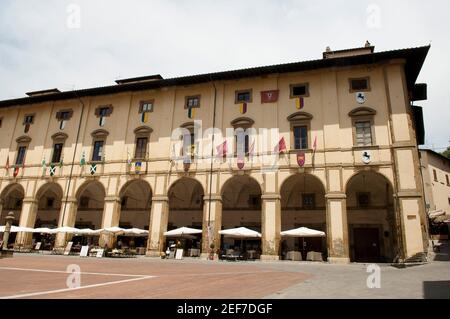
(173, 38)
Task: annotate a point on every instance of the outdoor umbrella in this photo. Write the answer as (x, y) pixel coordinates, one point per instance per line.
(44, 230)
(135, 232)
(88, 232)
(183, 232)
(302, 232)
(240, 232)
(16, 229)
(67, 230)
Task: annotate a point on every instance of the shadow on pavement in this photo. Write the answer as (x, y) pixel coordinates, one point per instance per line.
(436, 289)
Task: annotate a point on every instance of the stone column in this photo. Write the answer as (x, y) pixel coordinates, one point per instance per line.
(67, 217)
(337, 228)
(212, 216)
(111, 217)
(159, 219)
(271, 226)
(27, 219)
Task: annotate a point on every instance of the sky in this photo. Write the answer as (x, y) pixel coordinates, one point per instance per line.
(81, 44)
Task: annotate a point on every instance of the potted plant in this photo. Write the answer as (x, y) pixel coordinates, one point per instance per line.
(211, 251)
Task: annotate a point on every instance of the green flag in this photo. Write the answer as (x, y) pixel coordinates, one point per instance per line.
(83, 159)
(44, 166)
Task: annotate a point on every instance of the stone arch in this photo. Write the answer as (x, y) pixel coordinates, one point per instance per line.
(90, 198)
(11, 199)
(240, 182)
(371, 217)
(135, 204)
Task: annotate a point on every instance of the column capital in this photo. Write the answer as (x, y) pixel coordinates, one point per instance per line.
(112, 199)
(270, 196)
(30, 200)
(160, 198)
(212, 197)
(69, 200)
(336, 195)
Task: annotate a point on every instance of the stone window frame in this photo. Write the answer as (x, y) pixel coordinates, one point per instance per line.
(313, 206)
(58, 138)
(350, 87)
(237, 92)
(109, 111)
(191, 127)
(142, 132)
(291, 90)
(188, 97)
(59, 116)
(141, 105)
(363, 114)
(369, 199)
(299, 119)
(99, 135)
(244, 123)
(22, 141)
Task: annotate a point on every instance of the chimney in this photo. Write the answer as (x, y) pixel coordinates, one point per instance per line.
(366, 49)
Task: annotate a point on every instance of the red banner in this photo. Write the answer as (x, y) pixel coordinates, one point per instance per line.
(269, 96)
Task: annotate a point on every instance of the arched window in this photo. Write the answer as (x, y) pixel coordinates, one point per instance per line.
(300, 128)
(362, 123)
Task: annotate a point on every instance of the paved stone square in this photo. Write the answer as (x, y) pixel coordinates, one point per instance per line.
(46, 276)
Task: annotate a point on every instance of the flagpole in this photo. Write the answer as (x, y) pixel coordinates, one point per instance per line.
(73, 158)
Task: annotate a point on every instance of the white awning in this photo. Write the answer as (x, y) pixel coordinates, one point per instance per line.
(303, 232)
(240, 232)
(44, 230)
(136, 232)
(182, 232)
(67, 230)
(16, 229)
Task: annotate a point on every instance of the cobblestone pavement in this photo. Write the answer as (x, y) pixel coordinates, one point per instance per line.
(42, 276)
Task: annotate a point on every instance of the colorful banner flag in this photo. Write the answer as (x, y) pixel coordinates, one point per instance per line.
(191, 112)
(27, 128)
(44, 166)
(222, 149)
(102, 120)
(137, 167)
(186, 163)
(243, 108)
(93, 169)
(280, 147)
(251, 151)
(315, 143)
(52, 170)
(269, 96)
(240, 162)
(83, 159)
(7, 166)
(145, 116)
(299, 103)
(16, 171)
(301, 159)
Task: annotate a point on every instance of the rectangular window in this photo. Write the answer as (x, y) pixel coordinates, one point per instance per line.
(246, 143)
(360, 84)
(244, 96)
(299, 90)
(363, 199)
(192, 101)
(21, 155)
(435, 175)
(363, 133)
(28, 119)
(103, 111)
(141, 147)
(98, 151)
(308, 201)
(50, 202)
(84, 202)
(64, 115)
(254, 201)
(57, 151)
(301, 137)
(147, 107)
